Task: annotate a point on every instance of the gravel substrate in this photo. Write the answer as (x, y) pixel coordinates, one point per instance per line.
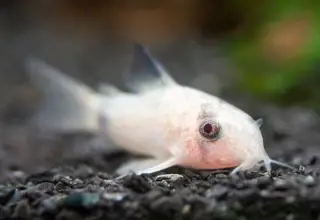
(83, 190)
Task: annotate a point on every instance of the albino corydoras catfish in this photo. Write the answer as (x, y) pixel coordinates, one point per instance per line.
(171, 123)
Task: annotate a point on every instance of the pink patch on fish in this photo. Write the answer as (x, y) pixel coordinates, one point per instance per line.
(213, 157)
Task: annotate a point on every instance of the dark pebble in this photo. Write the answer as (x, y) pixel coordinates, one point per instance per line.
(45, 186)
(167, 205)
(4, 212)
(169, 177)
(81, 200)
(94, 180)
(114, 196)
(41, 177)
(309, 181)
(31, 194)
(282, 184)
(67, 214)
(6, 196)
(314, 160)
(197, 202)
(218, 178)
(264, 181)
(63, 179)
(221, 176)
(137, 183)
(59, 187)
(217, 191)
(104, 176)
(153, 195)
(51, 203)
(22, 210)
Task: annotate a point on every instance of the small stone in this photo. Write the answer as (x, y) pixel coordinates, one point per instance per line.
(46, 176)
(167, 204)
(85, 200)
(153, 195)
(104, 176)
(263, 181)
(22, 210)
(169, 177)
(221, 209)
(237, 205)
(217, 191)
(66, 180)
(251, 174)
(62, 179)
(45, 186)
(32, 193)
(290, 217)
(302, 169)
(281, 184)
(309, 181)
(114, 196)
(6, 196)
(192, 174)
(221, 176)
(50, 204)
(251, 183)
(164, 184)
(78, 182)
(66, 214)
(186, 209)
(137, 183)
(314, 160)
(290, 199)
(60, 186)
(95, 181)
(4, 212)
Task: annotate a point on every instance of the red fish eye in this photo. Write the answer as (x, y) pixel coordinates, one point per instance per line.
(207, 128)
(210, 130)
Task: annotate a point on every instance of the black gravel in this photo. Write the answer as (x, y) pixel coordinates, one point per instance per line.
(82, 189)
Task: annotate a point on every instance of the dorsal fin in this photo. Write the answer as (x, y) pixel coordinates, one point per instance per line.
(146, 73)
(107, 89)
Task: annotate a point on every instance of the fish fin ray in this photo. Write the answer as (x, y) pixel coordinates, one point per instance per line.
(142, 166)
(107, 89)
(146, 73)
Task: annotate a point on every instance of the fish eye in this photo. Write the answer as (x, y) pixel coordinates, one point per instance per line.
(210, 130)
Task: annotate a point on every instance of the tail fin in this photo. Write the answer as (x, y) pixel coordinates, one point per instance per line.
(68, 105)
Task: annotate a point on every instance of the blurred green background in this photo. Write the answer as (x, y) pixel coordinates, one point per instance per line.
(277, 51)
(275, 45)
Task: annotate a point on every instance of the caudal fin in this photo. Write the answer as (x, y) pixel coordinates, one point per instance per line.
(68, 105)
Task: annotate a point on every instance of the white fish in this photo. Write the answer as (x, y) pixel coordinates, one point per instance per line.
(171, 123)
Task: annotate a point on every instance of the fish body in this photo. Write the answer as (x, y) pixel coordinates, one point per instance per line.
(173, 124)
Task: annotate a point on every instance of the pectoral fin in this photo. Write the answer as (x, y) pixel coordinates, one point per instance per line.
(146, 166)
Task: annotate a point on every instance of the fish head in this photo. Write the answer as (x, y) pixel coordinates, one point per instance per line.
(223, 136)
